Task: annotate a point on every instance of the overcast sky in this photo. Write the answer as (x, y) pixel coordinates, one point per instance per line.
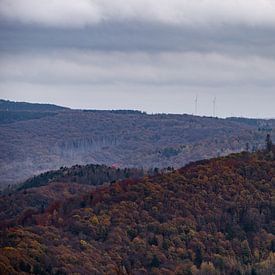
(151, 55)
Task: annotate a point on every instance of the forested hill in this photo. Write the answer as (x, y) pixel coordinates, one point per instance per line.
(91, 174)
(210, 217)
(35, 138)
(6, 105)
(11, 112)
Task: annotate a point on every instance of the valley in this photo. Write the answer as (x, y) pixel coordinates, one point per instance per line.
(35, 138)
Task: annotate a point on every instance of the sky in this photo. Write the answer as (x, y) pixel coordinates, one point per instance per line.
(156, 56)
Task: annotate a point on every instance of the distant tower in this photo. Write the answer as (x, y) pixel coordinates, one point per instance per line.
(214, 107)
(196, 104)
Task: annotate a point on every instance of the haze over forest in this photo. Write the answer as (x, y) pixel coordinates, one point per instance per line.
(40, 137)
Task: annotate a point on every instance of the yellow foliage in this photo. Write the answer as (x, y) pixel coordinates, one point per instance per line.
(194, 269)
(9, 248)
(267, 265)
(94, 220)
(207, 269)
(105, 220)
(88, 209)
(83, 243)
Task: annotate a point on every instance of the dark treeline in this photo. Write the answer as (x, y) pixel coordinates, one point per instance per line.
(91, 174)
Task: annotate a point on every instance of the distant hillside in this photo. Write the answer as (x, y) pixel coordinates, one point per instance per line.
(211, 217)
(11, 112)
(35, 138)
(6, 105)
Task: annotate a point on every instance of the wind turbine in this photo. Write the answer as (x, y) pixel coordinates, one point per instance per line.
(196, 104)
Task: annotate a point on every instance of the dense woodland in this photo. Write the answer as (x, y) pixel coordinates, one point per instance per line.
(89, 174)
(210, 217)
(35, 138)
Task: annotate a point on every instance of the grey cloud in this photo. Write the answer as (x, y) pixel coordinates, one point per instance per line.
(163, 68)
(134, 36)
(149, 55)
(71, 13)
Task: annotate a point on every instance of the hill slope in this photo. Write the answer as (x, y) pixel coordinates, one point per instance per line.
(11, 112)
(35, 138)
(210, 217)
(6, 105)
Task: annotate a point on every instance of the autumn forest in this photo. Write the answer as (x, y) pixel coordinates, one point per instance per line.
(210, 217)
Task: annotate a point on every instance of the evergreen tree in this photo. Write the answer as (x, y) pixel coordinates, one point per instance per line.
(268, 143)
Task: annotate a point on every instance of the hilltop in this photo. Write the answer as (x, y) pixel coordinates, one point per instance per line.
(7, 105)
(35, 138)
(210, 217)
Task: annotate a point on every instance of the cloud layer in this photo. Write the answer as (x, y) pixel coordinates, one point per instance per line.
(79, 13)
(152, 55)
(138, 68)
(153, 82)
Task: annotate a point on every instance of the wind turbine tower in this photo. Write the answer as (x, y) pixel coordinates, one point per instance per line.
(196, 104)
